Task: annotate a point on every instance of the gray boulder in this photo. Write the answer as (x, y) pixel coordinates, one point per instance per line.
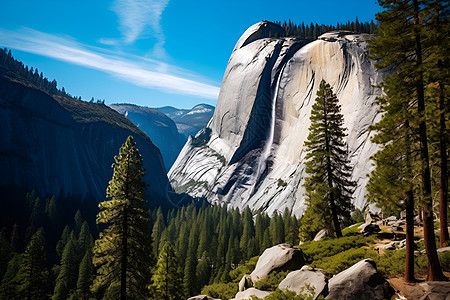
(361, 281)
(321, 234)
(245, 282)
(297, 281)
(247, 294)
(283, 257)
(202, 297)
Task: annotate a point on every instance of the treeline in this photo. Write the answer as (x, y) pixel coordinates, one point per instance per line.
(313, 30)
(8, 64)
(211, 241)
(49, 253)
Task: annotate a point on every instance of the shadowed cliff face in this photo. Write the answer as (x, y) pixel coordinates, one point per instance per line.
(60, 146)
(249, 159)
(156, 125)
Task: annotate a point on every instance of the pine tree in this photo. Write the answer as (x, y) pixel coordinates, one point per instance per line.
(157, 231)
(63, 241)
(167, 278)
(9, 284)
(328, 187)
(189, 280)
(123, 254)
(85, 275)
(67, 277)
(32, 275)
(85, 239)
(408, 54)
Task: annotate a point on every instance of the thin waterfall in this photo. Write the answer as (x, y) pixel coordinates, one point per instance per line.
(261, 166)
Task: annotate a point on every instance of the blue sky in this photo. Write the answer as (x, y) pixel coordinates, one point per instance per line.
(151, 53)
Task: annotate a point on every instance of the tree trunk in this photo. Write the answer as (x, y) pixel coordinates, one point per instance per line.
(409, 260)
(443, 187)
(124, 259)
(434, 268)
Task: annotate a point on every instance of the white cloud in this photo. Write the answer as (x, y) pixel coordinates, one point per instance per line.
(136, 16)
(136, 70)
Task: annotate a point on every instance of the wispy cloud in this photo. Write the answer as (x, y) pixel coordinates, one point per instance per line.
(136, 17)
(136, 70)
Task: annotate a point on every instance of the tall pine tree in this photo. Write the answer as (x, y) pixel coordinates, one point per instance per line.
(33, 273)
(328, 187)
(409, 54)
(167, 280)
(123, 254)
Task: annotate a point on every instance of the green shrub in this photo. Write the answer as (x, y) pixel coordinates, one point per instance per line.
(444, 259)
(316, 251)
(271, 282)
(343, 260)
(222, 291)
(392, 262)
(352, 230)
(243, 269)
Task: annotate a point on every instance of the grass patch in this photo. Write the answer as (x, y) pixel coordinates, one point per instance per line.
(222, 291)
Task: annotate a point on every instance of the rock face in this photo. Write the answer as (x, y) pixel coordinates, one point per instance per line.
(158, 127)
(361, 281)
(60, 146)
(297, 280)
(283, 257)
(251, 152)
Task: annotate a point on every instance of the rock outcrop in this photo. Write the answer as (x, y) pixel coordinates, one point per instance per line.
(299, 281)
(202, 297)
(360, 281)
(283, 257)
(247, 294)
(61, 146)
(251, 152)
(158, 127)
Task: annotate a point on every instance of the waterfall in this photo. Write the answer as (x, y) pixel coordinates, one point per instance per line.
(261, 165)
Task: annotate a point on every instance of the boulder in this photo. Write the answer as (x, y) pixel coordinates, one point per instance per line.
(247, 294)
(370, 229)
(321, 234)
(296, 281)
(245, 282)
(391, 246)
(372, 218)
(361, 281)
(444, 249)
(202, 297)
(283, 257)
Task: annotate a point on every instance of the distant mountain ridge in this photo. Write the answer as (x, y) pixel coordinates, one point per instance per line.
(161, 129)
(189, 121)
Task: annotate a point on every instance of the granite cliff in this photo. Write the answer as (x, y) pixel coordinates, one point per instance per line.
(62, 146)
(251, 152)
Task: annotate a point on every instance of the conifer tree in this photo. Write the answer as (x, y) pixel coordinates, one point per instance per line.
(63, 241)
(167, 278)
(189, 280)
(9, 288)
(32, 275)
(68, 273)
(328, 187)
(408, 54)
(85, 275)
(123, 254)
